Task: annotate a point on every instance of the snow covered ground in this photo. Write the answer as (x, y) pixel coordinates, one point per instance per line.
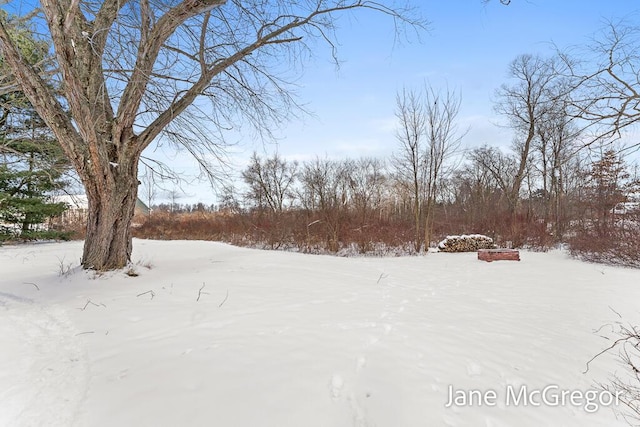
(214, 335)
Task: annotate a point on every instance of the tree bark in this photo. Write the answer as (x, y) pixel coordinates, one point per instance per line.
(108, 242)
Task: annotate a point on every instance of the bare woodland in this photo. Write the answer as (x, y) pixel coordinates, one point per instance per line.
(565, 178)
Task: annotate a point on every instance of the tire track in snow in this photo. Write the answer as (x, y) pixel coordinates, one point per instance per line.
(44, 375)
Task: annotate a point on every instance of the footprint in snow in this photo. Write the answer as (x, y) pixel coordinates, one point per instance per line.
(337, 388)
(473, 369)
(46, 365)
(336, 385)
(123, 374)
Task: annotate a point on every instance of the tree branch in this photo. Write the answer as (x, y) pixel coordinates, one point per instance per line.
(148, 52)
(39, 94)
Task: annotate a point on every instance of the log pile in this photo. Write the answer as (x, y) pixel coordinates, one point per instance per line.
(466, 243)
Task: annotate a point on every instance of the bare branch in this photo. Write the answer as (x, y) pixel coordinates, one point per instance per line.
(606, 96)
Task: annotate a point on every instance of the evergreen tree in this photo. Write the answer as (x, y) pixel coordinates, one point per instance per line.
(31, 161)
(31, 169)
(608, 183)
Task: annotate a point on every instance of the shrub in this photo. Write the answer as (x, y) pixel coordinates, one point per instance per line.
(296, 230)
(626, 385)
(617, 243)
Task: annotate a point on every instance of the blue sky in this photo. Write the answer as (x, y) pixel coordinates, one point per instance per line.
(467, 49)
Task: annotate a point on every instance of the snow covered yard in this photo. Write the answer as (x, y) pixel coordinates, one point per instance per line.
(214, 335)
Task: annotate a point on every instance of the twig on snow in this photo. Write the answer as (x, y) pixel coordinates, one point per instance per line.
(92, 303)
(148, 292)
(200, 293)
(611, 347)
(225, 299)
(29, 283)
(611, 308)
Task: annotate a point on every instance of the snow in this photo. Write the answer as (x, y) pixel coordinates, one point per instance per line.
(210, 334)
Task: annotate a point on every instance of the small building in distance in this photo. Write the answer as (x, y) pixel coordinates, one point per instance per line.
(625, 208)
(78, 207)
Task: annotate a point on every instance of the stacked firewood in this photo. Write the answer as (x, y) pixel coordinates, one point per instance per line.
(466, 243)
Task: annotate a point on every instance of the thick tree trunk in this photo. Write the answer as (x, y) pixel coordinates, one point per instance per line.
(108, 242)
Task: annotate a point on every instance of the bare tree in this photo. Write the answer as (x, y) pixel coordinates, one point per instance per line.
(366, 183)
(131, 71)
(476, 192)
(556, 142)
(443, 140)
(270, 182)
(500, 166)
(174, 195)
(150, 186)
(409, 161)
(228, 200)
(523, 104)
(324, 191)
(428, 136)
